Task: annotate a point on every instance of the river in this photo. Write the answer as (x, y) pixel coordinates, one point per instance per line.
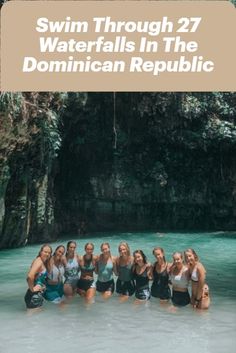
(115, 327)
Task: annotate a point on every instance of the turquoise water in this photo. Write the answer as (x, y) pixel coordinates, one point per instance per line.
(112, 326)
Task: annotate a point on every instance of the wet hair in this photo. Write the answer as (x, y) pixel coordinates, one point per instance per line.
(39, 254)
(44, 246)
(142, 254)
(87, 244)
(178, 253)
(107, 244)
(161, 250)
(123, 243)
(69, 243)
(59, 246)
(193, 252)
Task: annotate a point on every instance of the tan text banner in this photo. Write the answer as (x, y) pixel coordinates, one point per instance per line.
(118, 46)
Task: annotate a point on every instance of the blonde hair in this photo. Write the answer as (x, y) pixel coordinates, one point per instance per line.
(161, 250)
(123, 243)
(193, 252)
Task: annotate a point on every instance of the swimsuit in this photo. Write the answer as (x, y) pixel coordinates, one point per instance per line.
(72, 272)
(105, 281)
(180, 298)
(35, 299)
(87, 268)
(142, 290)
(54, 292)
(160, 286)
(180, 280)
(194, 275)
(125, 284)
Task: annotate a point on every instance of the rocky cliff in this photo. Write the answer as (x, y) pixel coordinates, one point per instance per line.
(115, 161)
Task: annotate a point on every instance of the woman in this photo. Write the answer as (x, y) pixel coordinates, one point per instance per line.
(54, 284)
(71, 264)
(142, 272)
(179, 276)
(160, 274)
(125, 285)
(200, 294)
(36, 278)
(105, 267)
(86, 284)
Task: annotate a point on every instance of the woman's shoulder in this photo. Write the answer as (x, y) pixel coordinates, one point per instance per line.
(200, 266)
(200, 269)
(37, 264)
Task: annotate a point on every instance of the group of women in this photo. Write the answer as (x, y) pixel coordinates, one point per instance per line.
(59, 276)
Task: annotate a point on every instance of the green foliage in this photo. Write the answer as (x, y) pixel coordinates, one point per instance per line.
(11, 103)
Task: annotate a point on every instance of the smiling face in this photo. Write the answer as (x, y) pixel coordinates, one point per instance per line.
(138, 259)
(59, 252)
(123, 250)
(159, 255)
(177, 260)
(89, 249)
(71, 248)
(45, 253)
(190, 258)
(105, 248)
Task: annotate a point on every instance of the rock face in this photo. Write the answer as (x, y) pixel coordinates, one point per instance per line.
(29, 143)
(124, 161)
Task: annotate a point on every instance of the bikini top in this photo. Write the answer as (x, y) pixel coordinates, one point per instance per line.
(88, 266)
(72, 268)
(194, 275)
(57, 273)
(180, 280)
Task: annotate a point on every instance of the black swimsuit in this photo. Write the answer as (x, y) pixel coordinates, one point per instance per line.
(160, 286)
(142, 290)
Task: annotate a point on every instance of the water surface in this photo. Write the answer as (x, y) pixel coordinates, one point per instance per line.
(114, 327)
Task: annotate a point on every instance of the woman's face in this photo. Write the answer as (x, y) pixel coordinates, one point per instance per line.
(105, 249)
(177, 259)
(59, 252)
(158, 255)
(45, 253)
(122, 250)
(189, 257)
(138, 259)
(71, 248)
(89, 250)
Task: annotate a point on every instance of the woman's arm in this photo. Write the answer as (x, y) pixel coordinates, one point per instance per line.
(149, 270)
(96, 264)
(115, 265)
(34, 269)
(201, 281)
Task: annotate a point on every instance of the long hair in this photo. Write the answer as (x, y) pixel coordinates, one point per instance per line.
(92, 257)
(87, 244)
(69, 244)
(107, 244)
(48, 260)
(193, 252)
(59, 246)
(123, 243)
(144, 257)
(42, 247)
(161, 250)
